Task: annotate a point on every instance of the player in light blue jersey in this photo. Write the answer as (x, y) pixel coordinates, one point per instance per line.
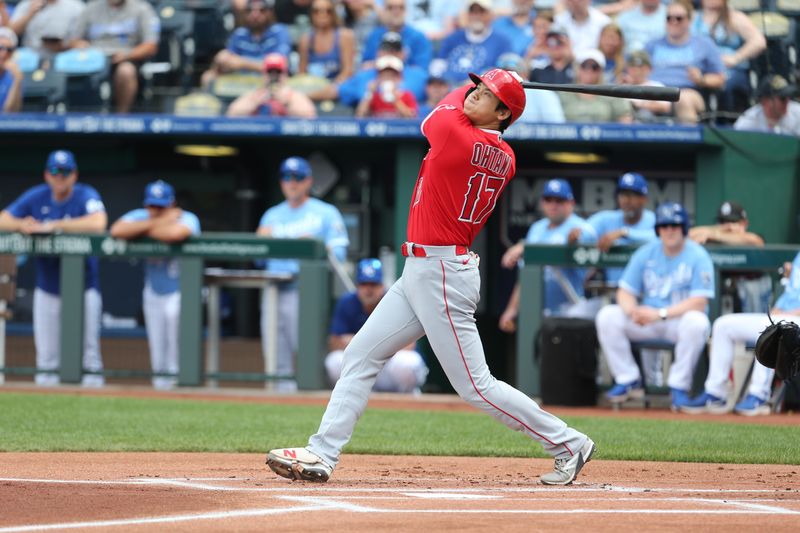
(298, 217)
(663, 294)
(61, 205)
(563, 287)
(160, 219)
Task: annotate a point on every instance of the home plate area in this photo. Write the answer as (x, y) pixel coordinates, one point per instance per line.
(368, 493)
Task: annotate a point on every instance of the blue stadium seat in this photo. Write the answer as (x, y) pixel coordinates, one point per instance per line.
(88, 72)
(44, 91)
(27, 59)
(171, 68)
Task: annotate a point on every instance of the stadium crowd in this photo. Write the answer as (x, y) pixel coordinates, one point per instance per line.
(149, 53)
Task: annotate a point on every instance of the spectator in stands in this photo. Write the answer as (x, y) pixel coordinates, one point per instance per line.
(536, 55)
(691, 62)
(328, 51)
(435, 18)
(580, 107)
(436, 88)
(612, 45)
(751, 290)
(739, 41)
(663, 294)
(563, 287)
(560, 69)
(298, 217)
(745, 328)
(518, 26)
(276, 98)
(474, 48)
(161, 219)
(128, 32)
(642, 23)
(583, 24)
(46, 25)
(362, 17)
(352, 90)
(540, 106)
(10, 75)
(417, 48)
(405, 371)
(247, 46)
(61, 205)
(384, 97)
(775, 111)
(637, 72)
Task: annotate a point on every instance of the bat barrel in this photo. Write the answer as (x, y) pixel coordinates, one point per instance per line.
(639, 92)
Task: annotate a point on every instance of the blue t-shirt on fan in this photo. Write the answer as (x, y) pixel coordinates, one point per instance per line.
(38, 202)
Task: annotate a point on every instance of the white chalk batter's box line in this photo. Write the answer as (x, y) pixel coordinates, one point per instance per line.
(305, 488)
(333, 502)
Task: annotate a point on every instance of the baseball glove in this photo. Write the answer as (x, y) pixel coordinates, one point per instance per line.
(778, 347)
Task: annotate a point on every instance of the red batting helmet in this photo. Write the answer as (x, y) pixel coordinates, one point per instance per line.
(506, 86)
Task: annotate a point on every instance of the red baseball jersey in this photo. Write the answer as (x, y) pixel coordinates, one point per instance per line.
(461, 178)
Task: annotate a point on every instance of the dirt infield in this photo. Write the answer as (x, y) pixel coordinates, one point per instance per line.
(236, 492)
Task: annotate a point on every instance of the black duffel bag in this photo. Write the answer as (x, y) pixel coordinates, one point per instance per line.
(567, 352)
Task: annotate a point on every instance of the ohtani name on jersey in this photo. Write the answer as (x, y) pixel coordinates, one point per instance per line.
(491, 158)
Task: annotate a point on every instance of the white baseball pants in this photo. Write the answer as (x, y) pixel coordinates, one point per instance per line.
(404, 372)
(47, 336)
(688, 332)
(288, 309)
(435, 296)
(161, 318)
(727, 331)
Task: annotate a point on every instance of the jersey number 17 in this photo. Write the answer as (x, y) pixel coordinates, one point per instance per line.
(482, 192)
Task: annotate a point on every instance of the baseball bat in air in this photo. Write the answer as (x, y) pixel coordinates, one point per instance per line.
(639, 92)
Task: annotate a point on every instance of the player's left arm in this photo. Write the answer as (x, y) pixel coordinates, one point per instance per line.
(176, 225)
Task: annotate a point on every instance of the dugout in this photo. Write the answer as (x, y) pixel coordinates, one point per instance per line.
(368, 168)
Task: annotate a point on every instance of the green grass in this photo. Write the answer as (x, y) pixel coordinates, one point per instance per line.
(37, 422)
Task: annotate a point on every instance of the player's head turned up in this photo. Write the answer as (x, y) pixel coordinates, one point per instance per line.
(496, 101)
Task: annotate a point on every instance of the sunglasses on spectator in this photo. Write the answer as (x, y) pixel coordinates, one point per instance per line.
(59, 172)
(322, 10)
(395, 7)
(554, 42)
(590, 65)
(256, 9)
(7, 48)
(293, 177)
(676, 18)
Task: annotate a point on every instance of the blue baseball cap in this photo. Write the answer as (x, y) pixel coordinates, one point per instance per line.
(159, 194)
(62, 160)
(295, 167)
(557, 188)
(634, 182)
(369, 271)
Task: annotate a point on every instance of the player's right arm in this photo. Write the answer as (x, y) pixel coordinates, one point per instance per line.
(9, 222)
(438, 125)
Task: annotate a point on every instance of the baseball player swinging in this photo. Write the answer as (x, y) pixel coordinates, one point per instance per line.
(466, 169)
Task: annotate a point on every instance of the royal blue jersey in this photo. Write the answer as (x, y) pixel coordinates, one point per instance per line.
(417, 48)
(463, 56)
(348, 315)
(162, 274)
(659, 280)
(38, 202)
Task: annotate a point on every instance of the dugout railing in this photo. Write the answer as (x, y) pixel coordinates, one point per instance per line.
(314, 285)
(726, 258)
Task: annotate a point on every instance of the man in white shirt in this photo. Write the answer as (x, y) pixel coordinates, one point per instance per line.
(583, 24)
(776, 112)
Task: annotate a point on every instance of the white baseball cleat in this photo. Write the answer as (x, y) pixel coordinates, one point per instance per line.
(298, 464)
(567, 468)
